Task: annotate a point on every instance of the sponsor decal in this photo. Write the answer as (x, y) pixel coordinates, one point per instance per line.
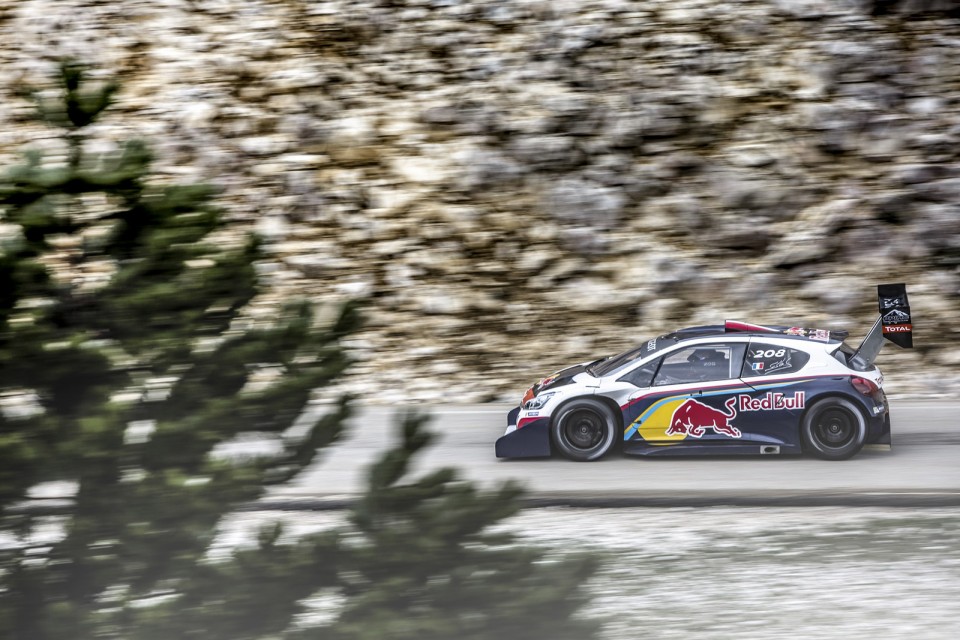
(652, 344)
(896, 317)
(814, 334)
(898, 328)
(890, 303)
(773, 401)
(533, 414)
(548, 380)
(659, 421)
(783, 363)
(772, 360)
(693, 418)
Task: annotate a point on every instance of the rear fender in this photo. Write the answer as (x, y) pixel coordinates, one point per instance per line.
(878, 424)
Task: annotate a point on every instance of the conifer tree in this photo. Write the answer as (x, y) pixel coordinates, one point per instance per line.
(426, 564)
(125, 385)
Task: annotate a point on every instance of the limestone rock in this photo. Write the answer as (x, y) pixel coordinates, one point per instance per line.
(494, 175)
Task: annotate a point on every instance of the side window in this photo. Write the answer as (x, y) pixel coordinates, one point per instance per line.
(701, 363)
(642, 376)
(770, 359)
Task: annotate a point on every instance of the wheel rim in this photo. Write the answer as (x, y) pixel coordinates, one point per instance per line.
(835, 428)
(583, 429)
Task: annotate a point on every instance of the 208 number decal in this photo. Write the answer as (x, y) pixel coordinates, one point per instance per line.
(770, 353)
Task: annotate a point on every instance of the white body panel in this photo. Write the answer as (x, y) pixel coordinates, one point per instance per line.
(822, 362)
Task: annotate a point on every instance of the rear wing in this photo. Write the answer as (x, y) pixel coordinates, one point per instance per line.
(895, 324)
(895, 314)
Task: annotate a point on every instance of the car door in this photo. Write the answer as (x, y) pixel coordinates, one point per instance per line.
(690, 398)
(773, 403)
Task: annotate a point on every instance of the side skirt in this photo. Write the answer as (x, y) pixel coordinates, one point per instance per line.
(733, 449)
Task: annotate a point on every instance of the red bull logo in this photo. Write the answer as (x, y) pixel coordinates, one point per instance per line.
(772, 401)
(693, 418)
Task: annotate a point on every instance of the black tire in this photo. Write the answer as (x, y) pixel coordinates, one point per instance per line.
(833, 429)
(584, 429)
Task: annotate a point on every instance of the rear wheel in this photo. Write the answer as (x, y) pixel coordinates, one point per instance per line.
(834, 429)
(584, 430)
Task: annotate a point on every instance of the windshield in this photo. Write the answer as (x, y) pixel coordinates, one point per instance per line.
(611, 364)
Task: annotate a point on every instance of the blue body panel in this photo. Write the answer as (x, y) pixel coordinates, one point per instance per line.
(740, 418)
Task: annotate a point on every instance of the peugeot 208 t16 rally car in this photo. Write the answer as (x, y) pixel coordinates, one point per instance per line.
(735, 388)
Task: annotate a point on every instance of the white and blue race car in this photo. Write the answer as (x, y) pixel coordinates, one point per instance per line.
(736, 388)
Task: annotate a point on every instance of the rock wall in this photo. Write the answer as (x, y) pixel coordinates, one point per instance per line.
(515, 185)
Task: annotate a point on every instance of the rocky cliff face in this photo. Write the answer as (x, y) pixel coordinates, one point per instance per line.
(514, 185)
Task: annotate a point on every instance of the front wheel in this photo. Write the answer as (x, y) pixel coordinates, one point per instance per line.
(584, 430)
(833, 429)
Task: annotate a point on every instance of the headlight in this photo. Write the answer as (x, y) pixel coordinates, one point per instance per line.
(538, 402)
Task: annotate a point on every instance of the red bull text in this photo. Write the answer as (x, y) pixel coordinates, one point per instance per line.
(772, 401)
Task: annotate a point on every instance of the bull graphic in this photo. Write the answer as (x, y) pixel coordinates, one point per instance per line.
(692, 418)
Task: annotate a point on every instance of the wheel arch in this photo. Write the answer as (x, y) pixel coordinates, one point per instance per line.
(809, 404)
(609, 402)
(618, 416)
(832, 395)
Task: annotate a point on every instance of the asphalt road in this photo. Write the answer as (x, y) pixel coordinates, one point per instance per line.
(921, 469)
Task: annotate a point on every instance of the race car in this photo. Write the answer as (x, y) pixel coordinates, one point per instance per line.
(735, 388)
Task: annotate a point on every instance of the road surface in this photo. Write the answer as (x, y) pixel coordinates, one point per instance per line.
(921, 469)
